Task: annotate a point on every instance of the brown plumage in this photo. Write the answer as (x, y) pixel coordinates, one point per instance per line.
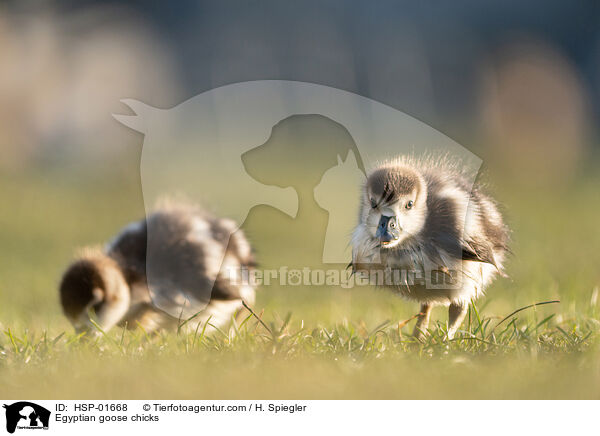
(175, 264)
(435, 238)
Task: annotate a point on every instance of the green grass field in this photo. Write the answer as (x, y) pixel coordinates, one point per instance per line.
(310, 343)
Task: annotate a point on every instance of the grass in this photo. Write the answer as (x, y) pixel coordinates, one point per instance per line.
(309, 342)
(286, 358)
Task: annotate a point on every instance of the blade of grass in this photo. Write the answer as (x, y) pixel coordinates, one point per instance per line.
(524, 308)
(258, 318)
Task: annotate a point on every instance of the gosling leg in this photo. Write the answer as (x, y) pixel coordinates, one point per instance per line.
(456, 315)
(422, 322)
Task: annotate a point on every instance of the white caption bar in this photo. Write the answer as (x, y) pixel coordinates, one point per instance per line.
(22, 417)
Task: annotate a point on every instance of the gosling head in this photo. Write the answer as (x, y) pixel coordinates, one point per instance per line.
(394, 204)
(94, 288)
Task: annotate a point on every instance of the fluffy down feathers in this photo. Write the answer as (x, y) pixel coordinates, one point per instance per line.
(436, 238)
(175, 264)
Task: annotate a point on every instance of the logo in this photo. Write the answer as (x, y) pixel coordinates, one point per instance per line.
(26, 415)
(287, 159)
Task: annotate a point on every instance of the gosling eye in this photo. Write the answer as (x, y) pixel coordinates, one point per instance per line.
(373, 203)
(392, 224)
(410, 204)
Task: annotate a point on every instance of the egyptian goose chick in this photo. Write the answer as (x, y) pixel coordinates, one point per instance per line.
(180, 262)
(432, 236)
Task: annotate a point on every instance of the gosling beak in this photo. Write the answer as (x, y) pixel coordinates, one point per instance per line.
(387, 230)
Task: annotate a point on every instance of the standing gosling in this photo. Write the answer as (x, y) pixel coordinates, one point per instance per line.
(178, 261)
(436, 239)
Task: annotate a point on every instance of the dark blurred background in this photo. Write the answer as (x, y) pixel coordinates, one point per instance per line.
(516, 76)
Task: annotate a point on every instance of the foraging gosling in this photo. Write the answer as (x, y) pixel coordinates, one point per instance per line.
(177, 261)
(435, 238)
